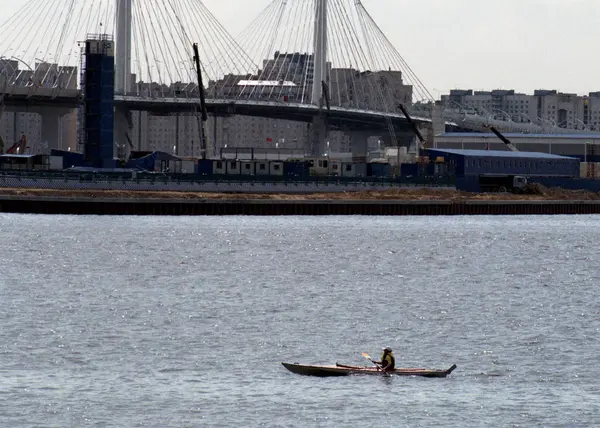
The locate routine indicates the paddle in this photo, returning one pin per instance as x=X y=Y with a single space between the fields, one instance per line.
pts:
x=368 y=357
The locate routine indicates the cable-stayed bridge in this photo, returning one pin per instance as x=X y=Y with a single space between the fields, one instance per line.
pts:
x=325 y=62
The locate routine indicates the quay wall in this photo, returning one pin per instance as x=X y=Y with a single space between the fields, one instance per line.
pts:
x=137 y=206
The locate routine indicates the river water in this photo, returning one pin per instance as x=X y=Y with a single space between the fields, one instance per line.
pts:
x=184 y=321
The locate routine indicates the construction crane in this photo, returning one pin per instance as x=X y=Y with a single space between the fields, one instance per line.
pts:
x=203 y=113
x=413 y=124
x=503 y=138
x=19 y=147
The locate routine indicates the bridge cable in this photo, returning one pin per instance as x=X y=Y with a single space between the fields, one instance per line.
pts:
x=294 y=36
x=395 y=52
x=357 y=60
x=266 y=74
x=284 y=77
x=274 y=9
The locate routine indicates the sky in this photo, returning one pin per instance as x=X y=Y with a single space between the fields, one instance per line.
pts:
x=470 y=44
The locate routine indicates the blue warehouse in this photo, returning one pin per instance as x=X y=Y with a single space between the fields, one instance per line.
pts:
x=531 y=164
x=478 y=170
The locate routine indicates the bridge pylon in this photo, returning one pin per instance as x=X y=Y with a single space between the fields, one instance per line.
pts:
x=123 y=19
x=320 y=50
x=318 y=136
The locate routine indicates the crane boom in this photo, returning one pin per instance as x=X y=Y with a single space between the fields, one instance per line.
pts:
x=503 y=139
x=203 y=113
x=413 y=124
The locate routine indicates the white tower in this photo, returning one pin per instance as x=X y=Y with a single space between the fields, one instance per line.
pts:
x=320 y=50
x=123 y=47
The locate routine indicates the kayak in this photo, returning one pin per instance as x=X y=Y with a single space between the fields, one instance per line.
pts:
x=345 y=370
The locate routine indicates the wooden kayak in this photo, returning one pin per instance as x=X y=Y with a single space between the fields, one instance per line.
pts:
x=345 y=370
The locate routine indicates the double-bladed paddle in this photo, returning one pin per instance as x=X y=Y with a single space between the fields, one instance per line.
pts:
x=368 y=357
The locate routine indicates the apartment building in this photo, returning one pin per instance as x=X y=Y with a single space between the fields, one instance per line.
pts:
x=564 y=110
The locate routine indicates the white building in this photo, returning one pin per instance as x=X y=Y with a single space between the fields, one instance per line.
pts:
x=380 y=91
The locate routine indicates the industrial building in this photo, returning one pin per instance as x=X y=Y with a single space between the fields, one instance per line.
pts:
x=531 y=164
x=585 y=147
x=497 y=170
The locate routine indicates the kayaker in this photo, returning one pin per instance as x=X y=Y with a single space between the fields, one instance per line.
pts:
x=388 y=362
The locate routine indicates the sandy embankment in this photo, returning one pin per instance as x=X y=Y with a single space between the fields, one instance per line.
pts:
x=536 y=192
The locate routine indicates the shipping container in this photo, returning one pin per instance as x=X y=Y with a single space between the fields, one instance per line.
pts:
x=233 y=167
x=70 y=159
x=204 y=167
x=56 y=163
x=335 y=168
x=350 y=169
x=262 y=168
x=248 y=167
x=185 y=167
x=295 y=169
x=378 y=170
x=276 y=168
x=219 y=167
x=321 y=166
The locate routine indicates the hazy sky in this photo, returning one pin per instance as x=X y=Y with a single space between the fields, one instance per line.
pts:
x=471 y=44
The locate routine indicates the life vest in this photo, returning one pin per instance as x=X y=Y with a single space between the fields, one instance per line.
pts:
x=390 y=360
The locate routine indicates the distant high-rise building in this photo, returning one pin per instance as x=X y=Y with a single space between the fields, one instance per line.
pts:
x=550 y=106
x=379 y=91
x=591 y=108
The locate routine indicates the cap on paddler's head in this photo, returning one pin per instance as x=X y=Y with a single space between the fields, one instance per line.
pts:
x=387 y=349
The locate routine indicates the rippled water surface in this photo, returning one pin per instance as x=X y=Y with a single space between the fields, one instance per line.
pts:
x=183 y=322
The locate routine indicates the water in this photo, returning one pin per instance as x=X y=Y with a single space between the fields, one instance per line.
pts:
x=183 y=322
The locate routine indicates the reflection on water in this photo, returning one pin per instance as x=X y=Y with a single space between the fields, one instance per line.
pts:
x=170 y=322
